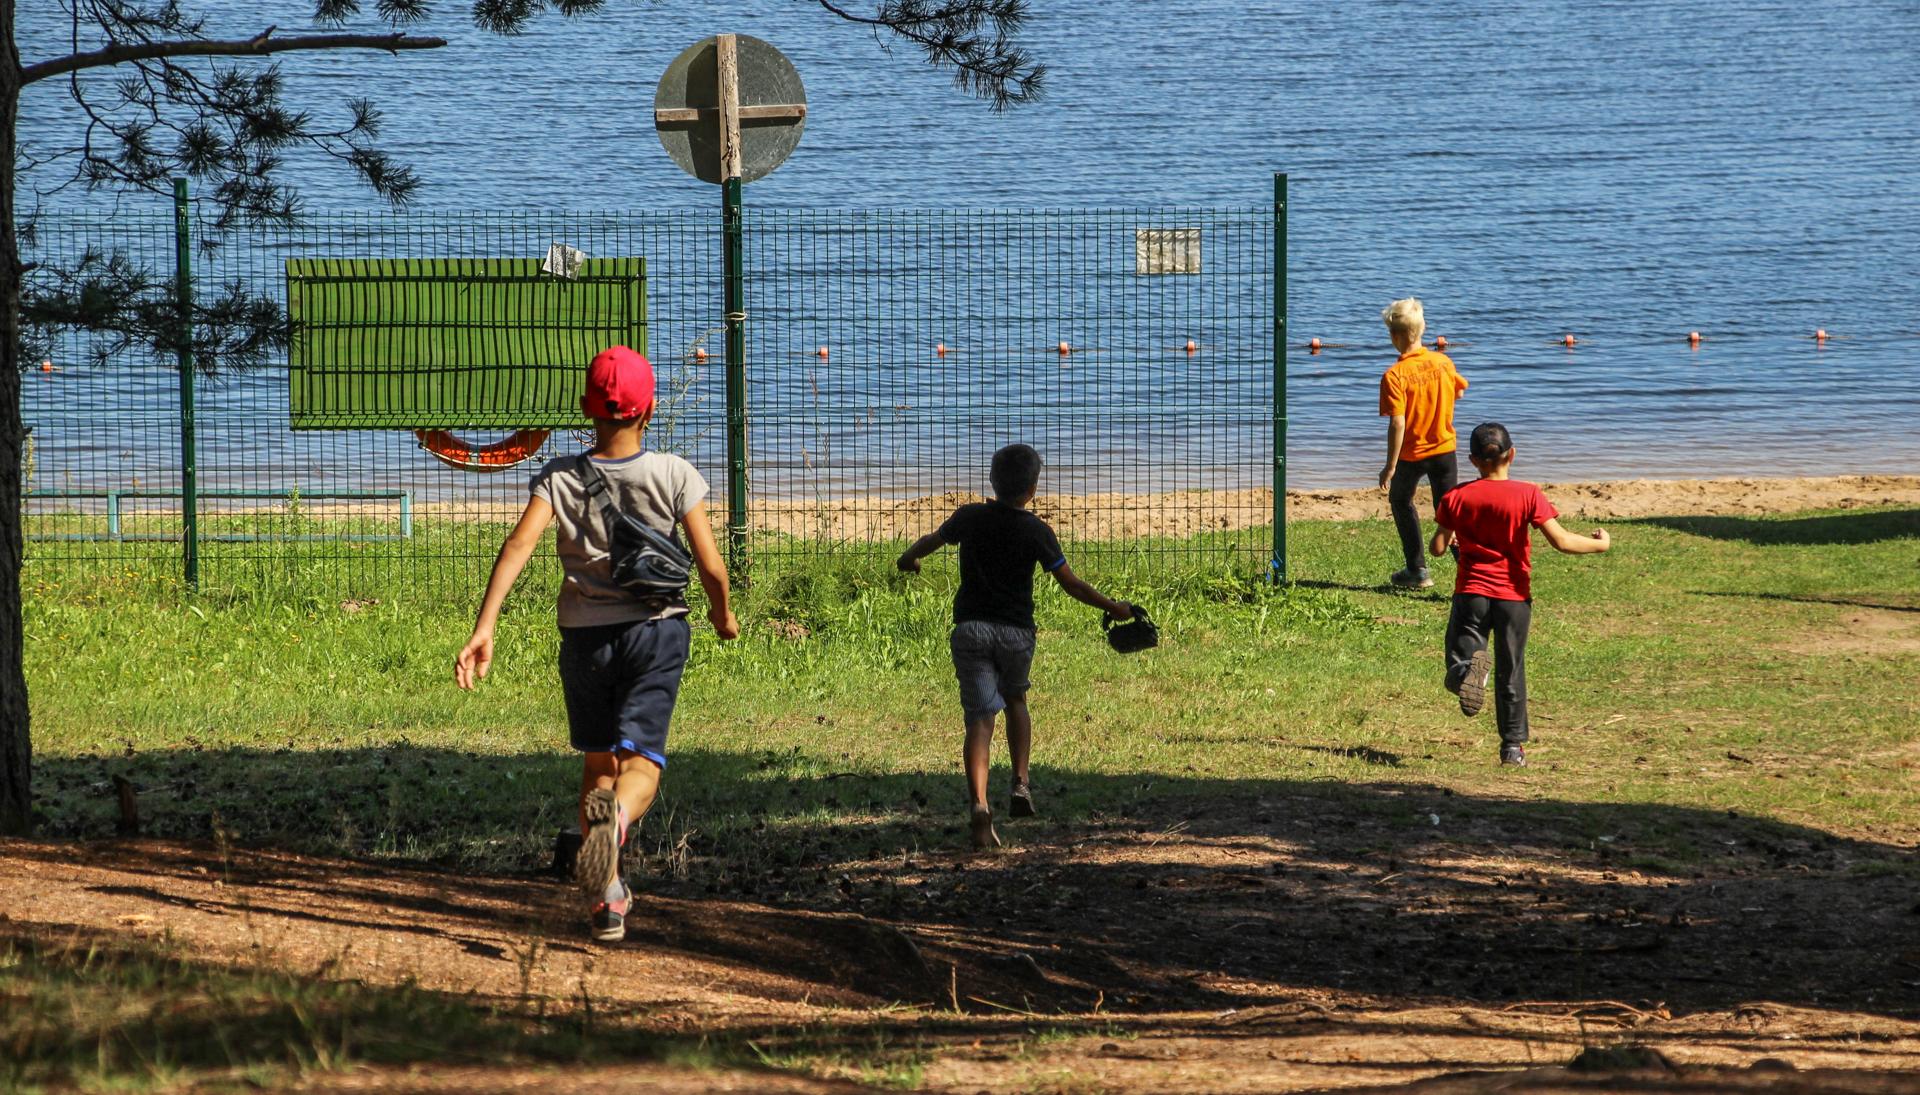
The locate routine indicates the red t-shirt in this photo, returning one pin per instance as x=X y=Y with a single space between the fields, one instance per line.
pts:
x=1493 y=521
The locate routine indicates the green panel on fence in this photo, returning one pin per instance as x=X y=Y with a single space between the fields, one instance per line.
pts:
x=445 y=343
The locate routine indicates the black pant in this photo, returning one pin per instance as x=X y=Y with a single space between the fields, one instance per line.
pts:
x=1473 y=618
x=1442 y=472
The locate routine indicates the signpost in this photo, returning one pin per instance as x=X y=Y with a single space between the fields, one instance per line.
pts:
x=729 y=110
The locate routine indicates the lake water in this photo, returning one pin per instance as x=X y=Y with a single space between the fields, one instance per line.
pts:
x=1626 y=172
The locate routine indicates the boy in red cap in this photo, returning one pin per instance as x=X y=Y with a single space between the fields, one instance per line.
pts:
x=621 y=654
x=1490 y=523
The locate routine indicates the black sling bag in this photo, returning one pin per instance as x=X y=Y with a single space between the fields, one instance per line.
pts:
x=650 y=564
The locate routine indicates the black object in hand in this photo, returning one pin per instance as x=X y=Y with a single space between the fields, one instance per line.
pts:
x=1137 y=633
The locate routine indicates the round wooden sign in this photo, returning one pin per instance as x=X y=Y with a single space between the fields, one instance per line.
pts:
x=730 y=106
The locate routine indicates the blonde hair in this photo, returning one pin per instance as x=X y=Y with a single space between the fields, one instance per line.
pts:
x=1406 y=316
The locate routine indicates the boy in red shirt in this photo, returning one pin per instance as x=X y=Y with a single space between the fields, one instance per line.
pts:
x=1489 y=523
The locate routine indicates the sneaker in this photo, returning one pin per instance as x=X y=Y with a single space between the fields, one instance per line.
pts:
x=597 y=865
x=1473 y=686
x=1020 y=803
x=610 y=915
x=982 y=825
x=1411 y=579
x=1513 y=756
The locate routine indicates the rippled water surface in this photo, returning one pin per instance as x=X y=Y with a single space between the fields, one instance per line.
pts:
x=1626 y=172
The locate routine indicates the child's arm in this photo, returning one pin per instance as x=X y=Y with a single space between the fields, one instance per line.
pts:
x=1396 y=433
x=1572 y=543
x=1079 y=590
x=713 y=571
x=471 y=664
x=1442 y=540
x=909 y=560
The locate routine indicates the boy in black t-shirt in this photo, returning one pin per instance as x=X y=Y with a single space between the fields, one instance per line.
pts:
x=1000 y=544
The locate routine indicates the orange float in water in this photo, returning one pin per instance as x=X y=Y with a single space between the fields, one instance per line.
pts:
x=1313 y=345
x=450 y=450
x=1569 y=341
x=1192 y=346
x=1820 y=335
x=46 y=366
x=821 y=353
x=1065 y=349
x=1440 y=342
x=940 y=348
x=1693 y=338
x=700 y=353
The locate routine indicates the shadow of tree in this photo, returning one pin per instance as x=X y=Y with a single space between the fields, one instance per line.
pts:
x=1863 y=527
x=1135 y=892
x=1809 y=599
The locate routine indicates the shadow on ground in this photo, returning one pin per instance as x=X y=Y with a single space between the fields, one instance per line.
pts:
x=1867 y=527
x=1809 y=599
x=1134 y=893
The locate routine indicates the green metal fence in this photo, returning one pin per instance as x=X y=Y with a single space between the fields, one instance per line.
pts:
x=882 y=357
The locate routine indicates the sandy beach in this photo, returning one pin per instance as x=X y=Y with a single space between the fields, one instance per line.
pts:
x=1186 y=513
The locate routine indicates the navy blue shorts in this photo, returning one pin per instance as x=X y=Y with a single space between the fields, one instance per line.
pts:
x=620 y=681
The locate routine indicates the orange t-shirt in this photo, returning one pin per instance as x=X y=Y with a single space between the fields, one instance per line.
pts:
x=1422 y=385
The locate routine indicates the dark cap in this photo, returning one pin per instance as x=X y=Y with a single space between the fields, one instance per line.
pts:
x=1490 y=441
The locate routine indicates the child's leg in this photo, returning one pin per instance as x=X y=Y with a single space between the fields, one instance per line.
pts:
x=633 y=779
x=1019 y=737
x=1443 y=474
x=1510 y=622
x=1406 y=519
x=977 y=755
x=1466 y=636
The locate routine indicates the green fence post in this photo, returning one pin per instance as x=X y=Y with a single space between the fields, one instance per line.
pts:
x=736 y=380
x=1279 y=377
x=189 y=472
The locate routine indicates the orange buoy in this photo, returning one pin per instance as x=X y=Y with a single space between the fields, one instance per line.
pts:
x=1440 y=342
x=1065 y=349
x=699 y=353
x=1569 y=341
x=1313 y=345
x=821 y=353
x=450 y=450
x=1192 y=346
x=1820 y=335
x=940 y=348
x=1693 y=339
x=46 y=366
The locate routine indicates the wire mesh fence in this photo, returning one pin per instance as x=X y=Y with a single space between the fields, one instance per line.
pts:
x=887 y=355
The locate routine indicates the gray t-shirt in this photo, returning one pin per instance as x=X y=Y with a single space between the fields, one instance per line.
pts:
x=656 y=487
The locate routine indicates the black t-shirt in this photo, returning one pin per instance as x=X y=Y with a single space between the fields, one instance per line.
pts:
x=999 y=547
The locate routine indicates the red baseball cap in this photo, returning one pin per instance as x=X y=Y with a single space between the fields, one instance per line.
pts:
x=619 y=384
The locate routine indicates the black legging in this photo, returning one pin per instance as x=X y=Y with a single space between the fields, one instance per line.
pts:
x=1473 y=617
x=1442 y=472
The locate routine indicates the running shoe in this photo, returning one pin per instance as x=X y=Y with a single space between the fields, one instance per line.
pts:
x=1411 y=579
x=1513 y=756
x=1473 y=686
x=610 y=915
x=1020 y=804
x=597 y=866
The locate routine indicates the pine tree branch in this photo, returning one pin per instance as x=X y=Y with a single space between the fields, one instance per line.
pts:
x=260 y=45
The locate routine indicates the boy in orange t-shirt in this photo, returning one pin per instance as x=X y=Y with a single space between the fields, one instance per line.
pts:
x=1490 y=522
x=1416 y=398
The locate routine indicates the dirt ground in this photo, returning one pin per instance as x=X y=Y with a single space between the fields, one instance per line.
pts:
x=1299 y=943
x=1190 y=512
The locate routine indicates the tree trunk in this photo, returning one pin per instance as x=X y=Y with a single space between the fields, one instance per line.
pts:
x=16 y=749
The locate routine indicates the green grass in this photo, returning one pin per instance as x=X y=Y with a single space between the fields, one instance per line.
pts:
x=1685 y=669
